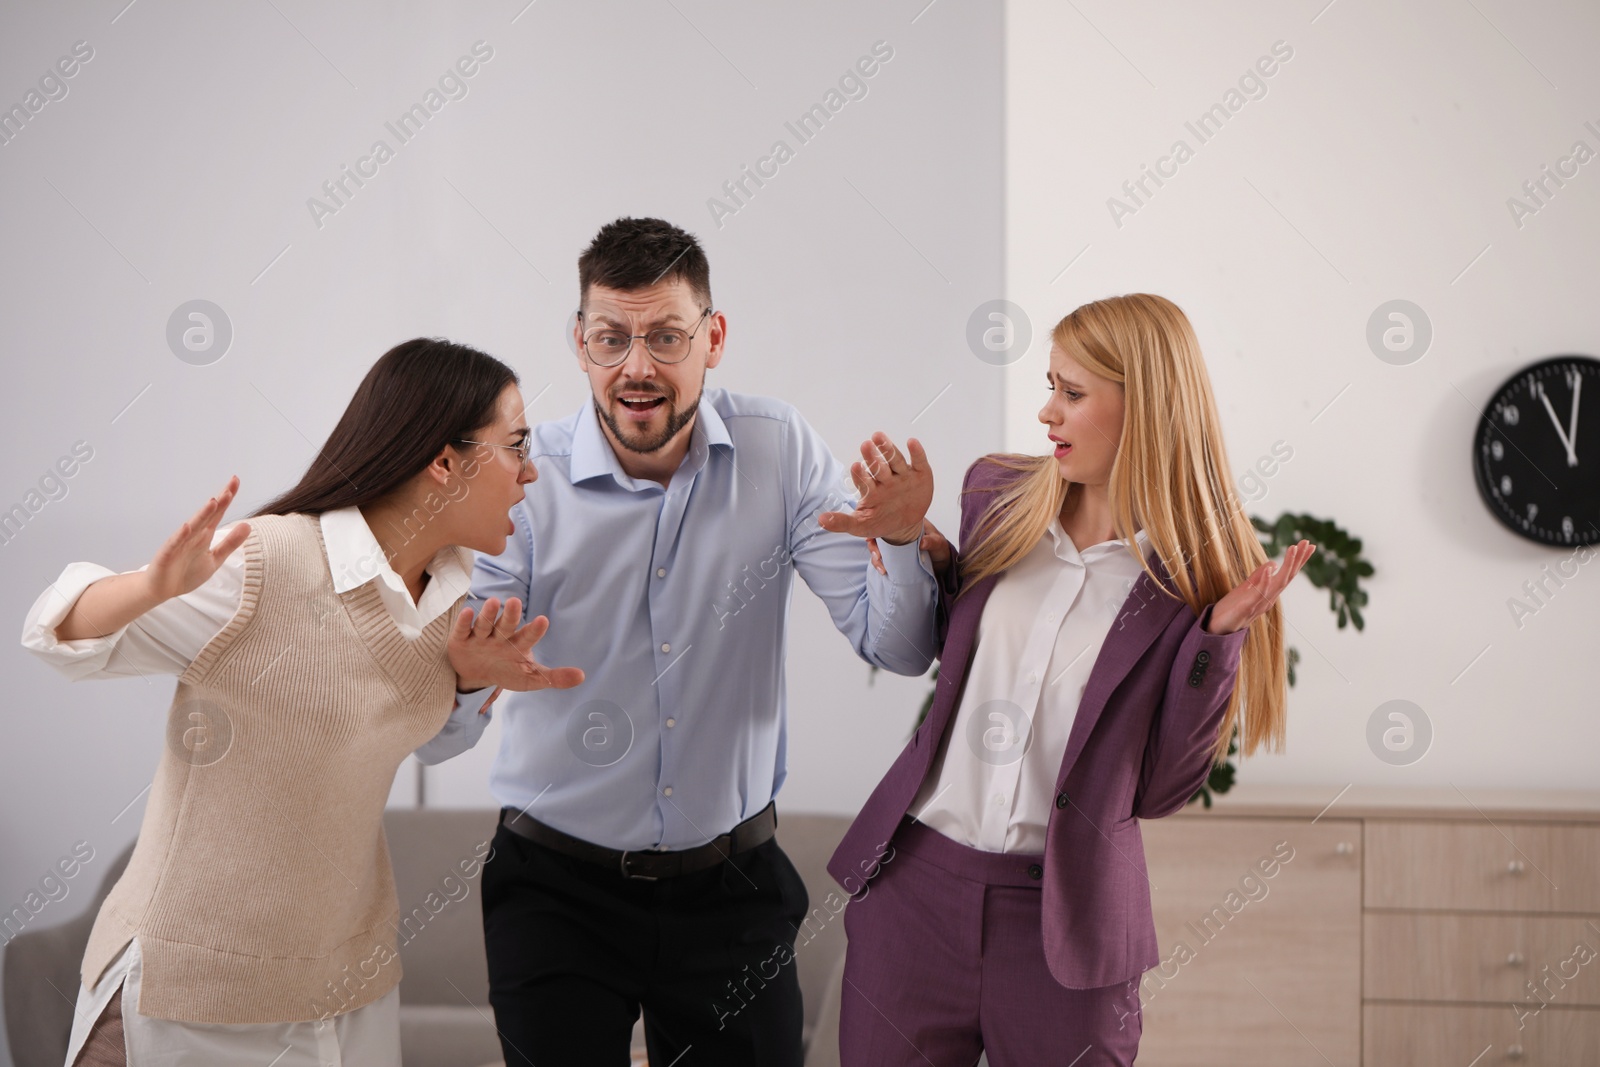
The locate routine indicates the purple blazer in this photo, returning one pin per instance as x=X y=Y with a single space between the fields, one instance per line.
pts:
x=1139 y=748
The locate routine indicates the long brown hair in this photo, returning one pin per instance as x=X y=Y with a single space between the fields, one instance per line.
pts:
x=418 y=397
x=1170 y=475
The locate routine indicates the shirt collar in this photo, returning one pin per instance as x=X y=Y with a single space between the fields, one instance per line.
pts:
x=593 y=456
x=1065 y=549
x=355 y=557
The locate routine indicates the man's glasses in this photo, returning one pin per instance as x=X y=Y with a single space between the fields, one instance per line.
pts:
x=521 y=448
x=607 y=347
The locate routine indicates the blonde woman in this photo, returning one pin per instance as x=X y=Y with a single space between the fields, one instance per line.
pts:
x=316 y=646
x=1109 y=620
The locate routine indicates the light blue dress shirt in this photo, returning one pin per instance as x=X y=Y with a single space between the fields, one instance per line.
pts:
x=675 y=602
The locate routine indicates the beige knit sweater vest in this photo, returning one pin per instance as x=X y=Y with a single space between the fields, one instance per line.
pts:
x=260 y=887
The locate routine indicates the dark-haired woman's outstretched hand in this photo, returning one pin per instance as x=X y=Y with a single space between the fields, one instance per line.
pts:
x=184 y=562
x=495 y=650
x=1254 y=596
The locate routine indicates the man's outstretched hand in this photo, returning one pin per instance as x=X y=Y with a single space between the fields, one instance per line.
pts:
x=896 y=491
x=494 y=650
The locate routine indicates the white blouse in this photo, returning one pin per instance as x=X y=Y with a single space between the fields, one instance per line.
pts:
x=165 y=640
x=993 y=783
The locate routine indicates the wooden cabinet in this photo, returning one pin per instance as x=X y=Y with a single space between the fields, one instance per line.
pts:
x=1376 y=927
x=1482 y=940
x=1259 y=922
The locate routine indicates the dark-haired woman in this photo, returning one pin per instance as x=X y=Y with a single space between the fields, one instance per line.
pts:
x=316 y=646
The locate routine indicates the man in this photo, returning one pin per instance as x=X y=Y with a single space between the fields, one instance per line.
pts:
x=634 y=866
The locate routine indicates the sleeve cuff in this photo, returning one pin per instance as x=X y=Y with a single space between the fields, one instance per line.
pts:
x=461 y=731
x=52 y=606
x=470 y=703
x=907 y=564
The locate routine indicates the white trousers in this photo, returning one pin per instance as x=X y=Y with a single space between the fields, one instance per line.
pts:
x=366 y=1037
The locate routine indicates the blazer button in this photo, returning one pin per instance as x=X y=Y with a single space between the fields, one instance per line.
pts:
x=1061 y=800
x=1035 y=871
x=1194 y=681
x=1203 y=656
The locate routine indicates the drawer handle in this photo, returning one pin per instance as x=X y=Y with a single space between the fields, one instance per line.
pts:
x=1344 y=848
x=1516 y=867
x=1515 y=959
x=1514 y=1052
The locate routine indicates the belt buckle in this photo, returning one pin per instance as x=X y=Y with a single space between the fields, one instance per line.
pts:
x=623 y=864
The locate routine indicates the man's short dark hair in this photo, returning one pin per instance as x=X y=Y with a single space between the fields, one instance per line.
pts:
x=637 y=253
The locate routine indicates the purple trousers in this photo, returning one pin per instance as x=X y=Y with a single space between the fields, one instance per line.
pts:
x=946 y=960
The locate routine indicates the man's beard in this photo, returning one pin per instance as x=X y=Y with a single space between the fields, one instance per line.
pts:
x=676 y=420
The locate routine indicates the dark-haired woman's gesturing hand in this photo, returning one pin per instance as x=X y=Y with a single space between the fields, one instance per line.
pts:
x=494 y=650
x=182 y=564
x=1254 y=596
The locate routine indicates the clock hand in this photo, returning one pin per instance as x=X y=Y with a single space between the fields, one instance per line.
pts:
x=1572 y=431
x=1572 y=460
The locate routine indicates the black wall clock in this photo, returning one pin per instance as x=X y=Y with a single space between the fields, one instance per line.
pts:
x=1537 y=452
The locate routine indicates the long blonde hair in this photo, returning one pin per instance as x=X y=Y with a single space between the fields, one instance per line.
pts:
x=1171 y=474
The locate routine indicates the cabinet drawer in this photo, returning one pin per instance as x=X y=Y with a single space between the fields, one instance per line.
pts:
x=1411 y=1035
x=1424 y=956
x=1482 y=866
x=1257 y=969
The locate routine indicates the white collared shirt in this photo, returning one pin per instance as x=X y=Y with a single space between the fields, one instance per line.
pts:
x=993 y=783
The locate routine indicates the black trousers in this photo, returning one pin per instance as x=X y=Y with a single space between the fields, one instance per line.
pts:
x=576 y=951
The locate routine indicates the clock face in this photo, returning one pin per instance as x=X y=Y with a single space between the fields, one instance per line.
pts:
x=1537 y=452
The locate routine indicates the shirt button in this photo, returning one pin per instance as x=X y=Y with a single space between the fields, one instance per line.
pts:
x=661 y=572
x=998 y=799
x=1033 y=678
x=1050 y=617
x=671 y=723
x=666 y=648
x=667 y=792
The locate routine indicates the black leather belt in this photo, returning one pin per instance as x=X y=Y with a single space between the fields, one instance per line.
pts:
x=649 y=864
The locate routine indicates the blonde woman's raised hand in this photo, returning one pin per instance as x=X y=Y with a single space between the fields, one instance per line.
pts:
x=1254 y=596
x=495 y=650
x=184 y=562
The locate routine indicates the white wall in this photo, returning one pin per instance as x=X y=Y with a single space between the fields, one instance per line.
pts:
x=178 y=167
x=1377 y=165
